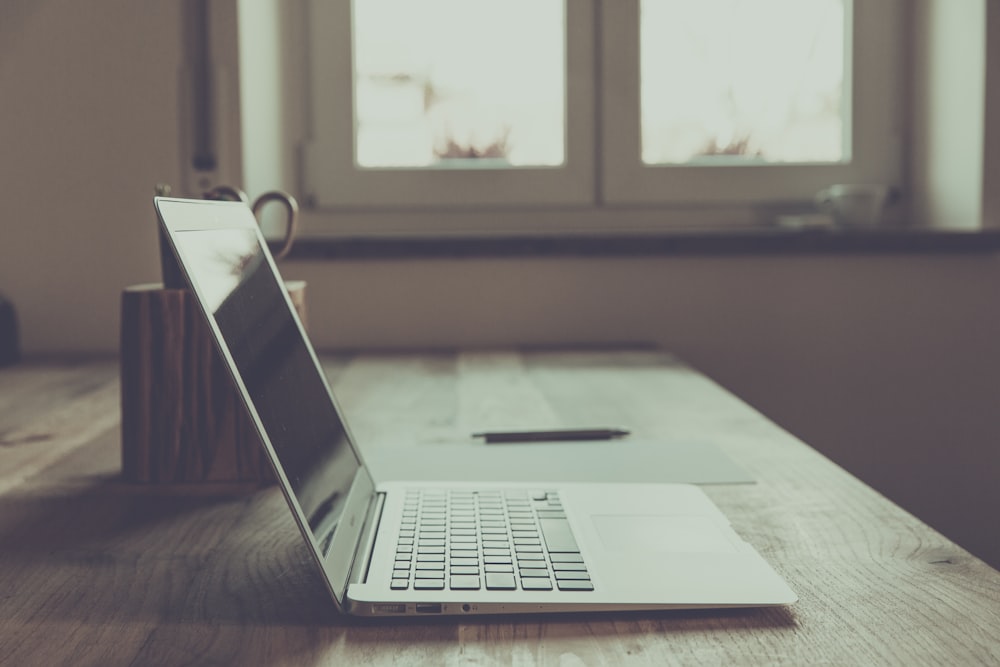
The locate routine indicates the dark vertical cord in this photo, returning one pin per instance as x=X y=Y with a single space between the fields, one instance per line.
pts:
x=598 y=128
x=197 y=56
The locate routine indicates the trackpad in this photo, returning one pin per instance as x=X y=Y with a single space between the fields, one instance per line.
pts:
x=661 y=534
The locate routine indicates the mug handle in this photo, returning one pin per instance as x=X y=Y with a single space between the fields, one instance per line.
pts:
x=280 y=248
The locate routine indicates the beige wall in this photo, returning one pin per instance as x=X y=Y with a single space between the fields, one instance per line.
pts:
x=88 y=125
x=887 y=364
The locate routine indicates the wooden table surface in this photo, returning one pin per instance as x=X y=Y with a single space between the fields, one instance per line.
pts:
x=96 y=571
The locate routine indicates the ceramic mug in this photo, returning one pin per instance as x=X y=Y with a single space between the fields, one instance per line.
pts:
x=854 y=205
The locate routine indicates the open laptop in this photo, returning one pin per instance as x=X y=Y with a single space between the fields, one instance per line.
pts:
x=398 y=548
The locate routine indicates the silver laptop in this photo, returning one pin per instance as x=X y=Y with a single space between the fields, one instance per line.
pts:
x=398 y=548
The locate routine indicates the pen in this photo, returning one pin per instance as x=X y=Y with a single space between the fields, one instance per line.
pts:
x=555 y=434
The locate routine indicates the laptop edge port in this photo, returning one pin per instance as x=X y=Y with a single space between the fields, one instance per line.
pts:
x=388 y=608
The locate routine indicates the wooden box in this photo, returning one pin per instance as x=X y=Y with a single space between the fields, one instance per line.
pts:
x=182 y=419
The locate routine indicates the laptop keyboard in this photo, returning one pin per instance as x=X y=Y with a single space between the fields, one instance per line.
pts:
x=487 y=540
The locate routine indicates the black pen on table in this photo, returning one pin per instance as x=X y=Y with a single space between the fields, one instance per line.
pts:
x=553 y=435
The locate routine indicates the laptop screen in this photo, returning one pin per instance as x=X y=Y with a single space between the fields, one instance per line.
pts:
x=228 y=268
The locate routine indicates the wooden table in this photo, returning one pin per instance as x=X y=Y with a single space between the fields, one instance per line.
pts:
x=96 y=571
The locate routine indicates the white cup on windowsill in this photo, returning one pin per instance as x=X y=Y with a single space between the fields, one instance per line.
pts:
x=854 y=205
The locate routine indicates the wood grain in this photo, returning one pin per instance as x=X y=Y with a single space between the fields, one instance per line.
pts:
x=98 y=571
x=182 y=420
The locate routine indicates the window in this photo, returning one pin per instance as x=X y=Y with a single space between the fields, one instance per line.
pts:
x=451 y=103
x=837 y=122
x=418 y=104
x=733 y=81
x=597 y=114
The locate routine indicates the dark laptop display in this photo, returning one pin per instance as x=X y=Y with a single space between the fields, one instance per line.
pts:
x=277 y=369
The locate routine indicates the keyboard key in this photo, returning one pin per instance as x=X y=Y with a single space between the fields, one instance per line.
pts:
x=496 y=544
x=573 y=585
x=558 y=535
x=496 y=552
x=492 y=567
x=431 y=543
x=428 y=574
x=432 y=535
x=578 y=576
x=430 y=558
x=568 y=567
x=428 y=584
x=497 y=560
x=399 y=584
x=464 y=561
x=464 y=582
x=534 y=572
x=431 y=566
x=566 y=558
x=528 y=549
x=428 y=551
x=535 y=584
x=464 y=569
x=500 y=581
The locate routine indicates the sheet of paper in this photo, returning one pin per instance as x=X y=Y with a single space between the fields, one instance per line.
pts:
x=625 y=460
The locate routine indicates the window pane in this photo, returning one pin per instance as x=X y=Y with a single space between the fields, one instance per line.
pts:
x=743 y=80
x=459 y=83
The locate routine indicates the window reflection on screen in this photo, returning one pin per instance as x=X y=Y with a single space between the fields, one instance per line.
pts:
x=285 y=386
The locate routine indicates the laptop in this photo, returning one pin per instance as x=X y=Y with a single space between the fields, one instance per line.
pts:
x=399 y=548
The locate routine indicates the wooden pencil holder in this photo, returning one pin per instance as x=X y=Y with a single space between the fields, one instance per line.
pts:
x=182 y=419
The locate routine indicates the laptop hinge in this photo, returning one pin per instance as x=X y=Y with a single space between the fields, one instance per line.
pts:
x=363 y=554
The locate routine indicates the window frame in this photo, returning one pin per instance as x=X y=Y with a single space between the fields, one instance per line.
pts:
x=604 y=189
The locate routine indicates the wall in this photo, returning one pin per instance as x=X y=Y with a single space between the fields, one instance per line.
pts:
x=887 y=364
x=88 y=126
